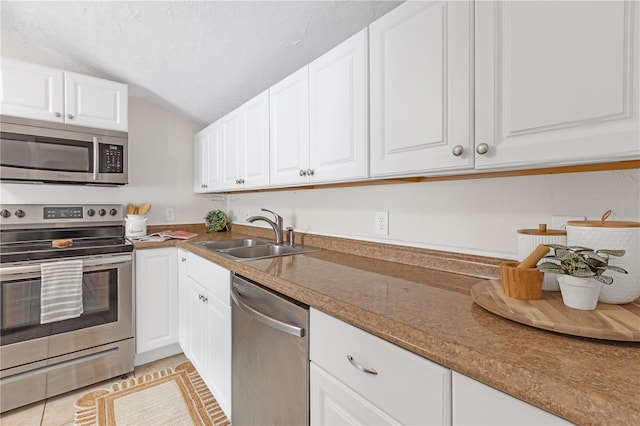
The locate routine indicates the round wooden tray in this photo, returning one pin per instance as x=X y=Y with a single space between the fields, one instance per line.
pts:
x=608 y=322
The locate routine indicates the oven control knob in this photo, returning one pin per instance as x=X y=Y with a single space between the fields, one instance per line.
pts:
x=5 y=213
x=102 y=212
x=113 y=212
x=91 y=212
x=20 y=213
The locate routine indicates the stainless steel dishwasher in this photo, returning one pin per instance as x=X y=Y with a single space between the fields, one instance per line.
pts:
x=270 y=357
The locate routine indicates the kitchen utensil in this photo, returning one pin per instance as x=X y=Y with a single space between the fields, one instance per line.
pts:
x=131 y=209
x=532 y=260
x=621 y=322
x=144 y=208
x=521 y=283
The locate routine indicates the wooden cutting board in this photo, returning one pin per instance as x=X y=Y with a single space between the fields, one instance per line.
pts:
x=609 y=322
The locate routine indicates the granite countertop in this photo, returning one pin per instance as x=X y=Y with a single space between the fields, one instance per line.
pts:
x=430 y=312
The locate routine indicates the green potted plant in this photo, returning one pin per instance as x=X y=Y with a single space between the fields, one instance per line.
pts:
x=217 y=221
x=580 y=273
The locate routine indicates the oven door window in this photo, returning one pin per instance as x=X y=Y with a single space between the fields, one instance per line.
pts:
x=20 y=304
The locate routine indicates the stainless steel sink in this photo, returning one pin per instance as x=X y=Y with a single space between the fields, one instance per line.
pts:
x=227 y=244
x=251 y=248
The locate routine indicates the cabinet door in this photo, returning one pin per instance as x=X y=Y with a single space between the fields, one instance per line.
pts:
x=420 y=89
x=408 y=388
x=231 y=150
x=95 y=102
x=206 y=159
x=156 y=298
x=338 y=103
x=289 y=129
x=217 y=349
x=200 y=154
x=32 y=91
x=477 y=404
x=196 y=326
x=255 y=142
x=556 y=82
x=183 y=302
x=333 y=403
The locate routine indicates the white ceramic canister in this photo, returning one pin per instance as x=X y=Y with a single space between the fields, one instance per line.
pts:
x=135 y=225
x=602 y=234
x=529 y=239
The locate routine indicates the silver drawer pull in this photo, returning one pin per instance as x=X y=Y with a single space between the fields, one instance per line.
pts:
x=361 y=368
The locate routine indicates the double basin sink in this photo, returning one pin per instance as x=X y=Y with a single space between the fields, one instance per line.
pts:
x=252 y=248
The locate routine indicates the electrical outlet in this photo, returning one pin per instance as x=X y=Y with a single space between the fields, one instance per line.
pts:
x=560 y=222
x=382 y=223
x=169 y=214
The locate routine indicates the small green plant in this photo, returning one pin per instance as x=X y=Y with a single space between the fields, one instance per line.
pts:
x=216 y=221
x=581 y=262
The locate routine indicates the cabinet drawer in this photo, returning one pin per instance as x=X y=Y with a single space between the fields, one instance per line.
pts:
x=411 y=389
x=212 y=277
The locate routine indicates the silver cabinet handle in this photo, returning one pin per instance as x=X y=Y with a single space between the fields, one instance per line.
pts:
x=266 y=320
x=70 y=116
x=310 y=172
x=57 y=114
x=303 y=172
x=361 y=368
x=205 y=299
x=457 y=150
x=482 y=149
x=183 y=259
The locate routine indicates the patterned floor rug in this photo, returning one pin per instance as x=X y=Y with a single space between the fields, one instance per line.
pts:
x=167 y=397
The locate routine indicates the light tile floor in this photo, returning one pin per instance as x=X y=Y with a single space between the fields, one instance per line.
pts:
x=60 y=410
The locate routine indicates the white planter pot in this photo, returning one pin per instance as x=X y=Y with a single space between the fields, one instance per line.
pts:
x=579 y=293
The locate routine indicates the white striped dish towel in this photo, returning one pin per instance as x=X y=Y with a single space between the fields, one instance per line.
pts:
x=60 y=290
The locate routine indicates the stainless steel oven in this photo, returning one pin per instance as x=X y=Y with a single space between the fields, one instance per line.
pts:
x=39 y=360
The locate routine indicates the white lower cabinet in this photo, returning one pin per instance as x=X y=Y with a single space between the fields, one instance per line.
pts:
x=205 y=323
x=358 y=378
x=156 y=310
x=477 y=404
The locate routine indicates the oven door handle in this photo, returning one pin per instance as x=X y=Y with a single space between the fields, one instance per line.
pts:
x=87 y=263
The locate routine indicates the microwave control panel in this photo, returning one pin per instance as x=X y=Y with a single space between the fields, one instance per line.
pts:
x=111 y=158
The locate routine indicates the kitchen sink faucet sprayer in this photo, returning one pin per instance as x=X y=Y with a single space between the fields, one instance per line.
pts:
x=277 y=225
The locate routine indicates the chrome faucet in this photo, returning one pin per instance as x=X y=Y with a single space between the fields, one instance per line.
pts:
x=277 y=225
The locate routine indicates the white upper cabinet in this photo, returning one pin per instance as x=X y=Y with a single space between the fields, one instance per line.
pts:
x=32 y=91
x=245 y=145
x=230 y=130
x=207 y=175
x=44 y=93
x=255 y=142
x=94 y=102
x=556 y=83
x=289 y=129
x=319 y=118
x=338 y=104
x=420 y=89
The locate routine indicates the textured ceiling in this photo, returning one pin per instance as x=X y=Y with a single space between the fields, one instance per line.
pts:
x=199 y=58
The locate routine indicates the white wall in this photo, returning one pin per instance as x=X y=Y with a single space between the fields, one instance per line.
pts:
x=160 y=171
x=479 y=216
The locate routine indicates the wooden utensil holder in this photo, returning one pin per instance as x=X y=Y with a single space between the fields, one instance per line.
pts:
x=521 y=283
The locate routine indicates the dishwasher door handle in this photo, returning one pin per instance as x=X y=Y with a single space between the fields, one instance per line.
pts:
x=265 y=319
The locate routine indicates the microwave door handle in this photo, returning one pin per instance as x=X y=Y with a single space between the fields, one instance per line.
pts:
x=96 y=145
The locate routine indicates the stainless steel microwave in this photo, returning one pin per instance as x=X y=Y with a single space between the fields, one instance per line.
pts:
x=44 y=152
